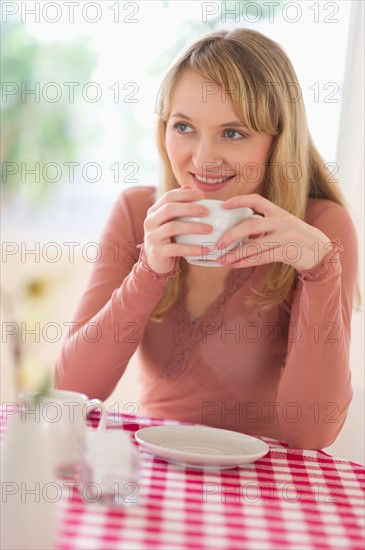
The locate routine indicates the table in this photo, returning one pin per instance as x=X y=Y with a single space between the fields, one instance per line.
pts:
x=290 y=498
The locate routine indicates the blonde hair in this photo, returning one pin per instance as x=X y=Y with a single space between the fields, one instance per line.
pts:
x=254 y=68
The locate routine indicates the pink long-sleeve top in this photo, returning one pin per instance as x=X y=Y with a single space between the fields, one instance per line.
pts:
x=283 y=375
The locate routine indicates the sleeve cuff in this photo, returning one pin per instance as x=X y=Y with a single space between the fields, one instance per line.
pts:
x=162 y=277
x=332 y=258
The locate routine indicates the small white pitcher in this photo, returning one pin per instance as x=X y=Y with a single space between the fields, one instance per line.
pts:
x=63 y=415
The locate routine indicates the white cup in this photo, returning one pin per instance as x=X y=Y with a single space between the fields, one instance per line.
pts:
x=63 y=415
x=221 y=220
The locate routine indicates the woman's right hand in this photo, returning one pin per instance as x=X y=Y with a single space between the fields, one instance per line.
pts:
x=160 y=226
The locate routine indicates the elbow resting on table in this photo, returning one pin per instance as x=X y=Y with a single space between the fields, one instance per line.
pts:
x=320 y=434
x=67 y=382
x=310 y=443
x=63 y=382
x=316 y=440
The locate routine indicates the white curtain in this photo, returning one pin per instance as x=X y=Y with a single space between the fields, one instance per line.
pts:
x=350 y=146
x=350 y=159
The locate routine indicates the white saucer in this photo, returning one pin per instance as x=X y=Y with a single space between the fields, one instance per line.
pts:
x=201 y=446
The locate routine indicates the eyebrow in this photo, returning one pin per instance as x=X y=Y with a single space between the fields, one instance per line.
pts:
x=225 y=125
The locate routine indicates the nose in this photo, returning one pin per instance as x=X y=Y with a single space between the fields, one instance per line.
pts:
x=207 y=158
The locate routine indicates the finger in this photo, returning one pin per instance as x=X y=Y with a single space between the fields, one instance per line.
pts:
x=174 y=250
x=255 y=202
x=174 y=228
x=252 y=252
x=185 y=193
x=252 y=226
x=172 y=210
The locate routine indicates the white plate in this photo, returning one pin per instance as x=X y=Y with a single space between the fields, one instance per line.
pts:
x=201 y=446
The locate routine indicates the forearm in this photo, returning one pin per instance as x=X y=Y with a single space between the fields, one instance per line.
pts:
x=94 y=358
x=315 y=388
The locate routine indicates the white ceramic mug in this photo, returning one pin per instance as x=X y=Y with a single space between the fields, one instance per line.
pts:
x=221 y=220
x=63 y=415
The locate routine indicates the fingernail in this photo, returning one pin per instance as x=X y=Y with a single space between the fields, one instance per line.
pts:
x=227 y=202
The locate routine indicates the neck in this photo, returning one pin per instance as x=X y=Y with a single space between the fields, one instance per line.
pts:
x=196 y=272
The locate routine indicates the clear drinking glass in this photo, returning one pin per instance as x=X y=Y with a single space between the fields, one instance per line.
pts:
x=110 y=469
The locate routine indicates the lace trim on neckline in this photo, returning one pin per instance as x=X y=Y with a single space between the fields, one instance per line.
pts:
x=187 y=334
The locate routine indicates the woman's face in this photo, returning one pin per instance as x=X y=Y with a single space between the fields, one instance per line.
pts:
x=206 y=140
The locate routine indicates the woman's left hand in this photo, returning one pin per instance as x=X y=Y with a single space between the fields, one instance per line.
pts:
x=281 y=237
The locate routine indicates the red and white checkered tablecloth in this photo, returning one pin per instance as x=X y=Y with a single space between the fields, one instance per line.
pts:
x=288 y=499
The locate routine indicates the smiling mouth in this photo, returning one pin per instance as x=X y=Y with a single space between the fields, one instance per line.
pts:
x=212 y=180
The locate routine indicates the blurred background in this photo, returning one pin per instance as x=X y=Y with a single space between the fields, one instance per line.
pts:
x=79 y=82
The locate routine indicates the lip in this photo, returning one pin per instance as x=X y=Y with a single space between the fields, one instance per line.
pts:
x=210 y=187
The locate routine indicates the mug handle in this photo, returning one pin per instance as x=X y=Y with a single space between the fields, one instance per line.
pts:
x=97 y=404
x=258 y=216
x=247 y=239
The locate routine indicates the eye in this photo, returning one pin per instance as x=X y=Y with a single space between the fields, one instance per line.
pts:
x=180 y=127
x=229 y=132
x=183 y=128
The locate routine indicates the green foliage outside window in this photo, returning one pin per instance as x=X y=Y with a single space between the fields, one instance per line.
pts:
x=47 y=132
x=38 y=130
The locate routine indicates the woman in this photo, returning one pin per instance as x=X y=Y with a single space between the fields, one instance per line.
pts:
x=261 y=344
